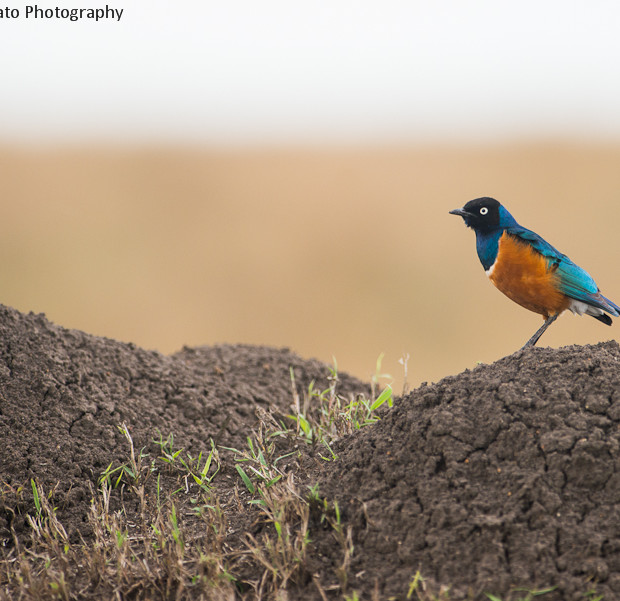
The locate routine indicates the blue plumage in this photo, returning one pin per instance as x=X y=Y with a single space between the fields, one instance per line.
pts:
x=487 y=246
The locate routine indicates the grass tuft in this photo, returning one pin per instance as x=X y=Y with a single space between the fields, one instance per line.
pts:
x=324 y=416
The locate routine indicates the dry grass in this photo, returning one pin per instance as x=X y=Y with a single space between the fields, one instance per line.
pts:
x=171 y=526
x=165 y=550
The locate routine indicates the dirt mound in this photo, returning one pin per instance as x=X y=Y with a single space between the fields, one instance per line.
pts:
x=504 y=476
x=500 y=477
x=64 y=394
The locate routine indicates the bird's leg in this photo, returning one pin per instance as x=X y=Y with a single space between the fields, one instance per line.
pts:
x=534 y=339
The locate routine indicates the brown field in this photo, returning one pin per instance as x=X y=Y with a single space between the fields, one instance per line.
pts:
x=344 y=252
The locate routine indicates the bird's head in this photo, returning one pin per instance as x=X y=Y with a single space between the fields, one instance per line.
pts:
x=485 y=214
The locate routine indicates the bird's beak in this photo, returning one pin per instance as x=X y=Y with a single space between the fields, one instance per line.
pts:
x=460 y=212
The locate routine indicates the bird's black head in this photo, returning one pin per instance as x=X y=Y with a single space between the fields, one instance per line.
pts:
x=482 y=214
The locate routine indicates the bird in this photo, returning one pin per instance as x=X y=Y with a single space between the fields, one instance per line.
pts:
x=529 y=270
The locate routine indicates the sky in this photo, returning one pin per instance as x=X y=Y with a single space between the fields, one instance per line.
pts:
x=248 y=72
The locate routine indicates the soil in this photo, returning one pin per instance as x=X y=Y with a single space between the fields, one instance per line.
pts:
x=504 y=476
x=64 y=394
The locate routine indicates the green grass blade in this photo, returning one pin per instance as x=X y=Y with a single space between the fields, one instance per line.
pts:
x=246 y=479
x=386 y=395
x=35 y=494
x=205 y=469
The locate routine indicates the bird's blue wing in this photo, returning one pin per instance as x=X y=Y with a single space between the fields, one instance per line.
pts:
x=538 y=243
x=573 y=280
x=576 y=282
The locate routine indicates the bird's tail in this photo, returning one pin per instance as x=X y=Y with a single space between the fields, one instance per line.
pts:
x=597 y=303
x=604 y=318
x=607 y=305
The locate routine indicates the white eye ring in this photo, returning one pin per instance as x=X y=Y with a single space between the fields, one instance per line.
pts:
x=484 y=211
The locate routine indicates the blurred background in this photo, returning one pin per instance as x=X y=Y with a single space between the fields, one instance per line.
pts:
x=281 y=172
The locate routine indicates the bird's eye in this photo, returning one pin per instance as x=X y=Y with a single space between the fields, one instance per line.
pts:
x=484 y=211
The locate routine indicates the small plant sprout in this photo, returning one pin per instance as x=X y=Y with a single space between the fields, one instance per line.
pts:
x=324 y=416
x=246 y=479
x=259 y=459
x=419 y=588
x=199 y=469
x=133 y=470
x=45 y=524
x=379 y=376
x=404 y=361
x=36 y=497
x=413 y=586
x=530 y=594
x=168 y=454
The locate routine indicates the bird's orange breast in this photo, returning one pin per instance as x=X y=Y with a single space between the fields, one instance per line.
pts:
x=527 y=277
